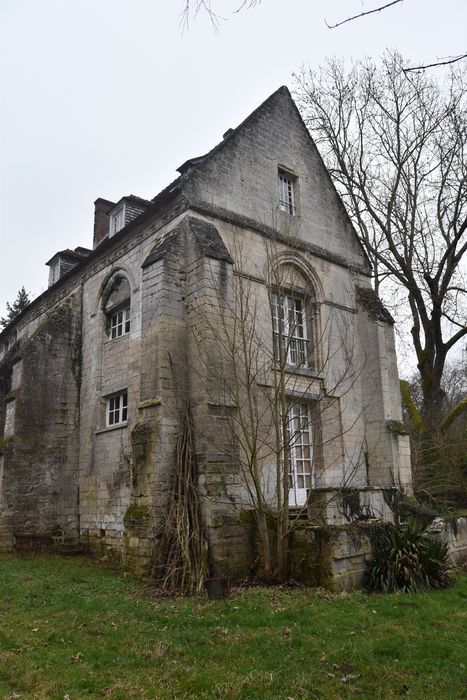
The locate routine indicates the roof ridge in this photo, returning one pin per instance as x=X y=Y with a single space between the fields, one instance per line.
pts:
x=229 y=134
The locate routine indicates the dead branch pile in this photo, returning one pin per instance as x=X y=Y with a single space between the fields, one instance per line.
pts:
x=180 y=555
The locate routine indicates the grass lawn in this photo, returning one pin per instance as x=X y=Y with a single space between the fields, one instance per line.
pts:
x=71 y=627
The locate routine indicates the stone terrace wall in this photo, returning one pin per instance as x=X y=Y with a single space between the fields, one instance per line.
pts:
x=454 y=532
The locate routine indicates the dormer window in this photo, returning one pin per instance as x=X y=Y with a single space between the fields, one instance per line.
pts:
x=64 y=261
x=124 y=212
x=117 y=221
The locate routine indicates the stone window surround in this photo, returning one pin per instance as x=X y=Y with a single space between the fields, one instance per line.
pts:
x=294 y=337
x=119 y=320
x=287 y=191
x=308 y=337
x=301 y=475
x=116 y=409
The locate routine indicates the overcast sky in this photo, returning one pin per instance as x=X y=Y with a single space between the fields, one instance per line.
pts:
x=104 y=98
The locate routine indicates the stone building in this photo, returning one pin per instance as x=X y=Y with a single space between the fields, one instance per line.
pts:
x=95 y=375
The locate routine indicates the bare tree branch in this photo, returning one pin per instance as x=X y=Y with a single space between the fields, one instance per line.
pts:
x=442 y=62
x=362 y=14
x=248 y=4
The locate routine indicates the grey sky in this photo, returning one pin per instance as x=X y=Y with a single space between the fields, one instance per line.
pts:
x=108 y=97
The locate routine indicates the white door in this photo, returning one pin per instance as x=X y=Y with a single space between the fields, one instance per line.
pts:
x=301 y=453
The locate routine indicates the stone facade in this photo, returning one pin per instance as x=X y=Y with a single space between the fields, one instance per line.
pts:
x=95 y=374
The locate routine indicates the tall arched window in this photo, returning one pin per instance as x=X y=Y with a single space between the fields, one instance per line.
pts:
x=117 y=307
x=295 y=318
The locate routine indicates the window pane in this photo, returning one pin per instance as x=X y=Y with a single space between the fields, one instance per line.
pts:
x=300 y=441
x=288 y=320
x=286 y=196
x=120 y=323
x=117 y=409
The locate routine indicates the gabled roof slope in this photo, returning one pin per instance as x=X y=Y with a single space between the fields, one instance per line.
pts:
x=240 y=175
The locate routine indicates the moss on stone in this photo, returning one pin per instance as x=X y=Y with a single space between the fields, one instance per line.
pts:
x=54 y=531
x=135 y=513
x=151 y=403
x=77 y=360
x=397 y=426
x=4 y=444
x=247 y=516
x=311 y=558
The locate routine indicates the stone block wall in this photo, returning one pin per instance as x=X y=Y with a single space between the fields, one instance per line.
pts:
x=453 y=531
x=40 y=407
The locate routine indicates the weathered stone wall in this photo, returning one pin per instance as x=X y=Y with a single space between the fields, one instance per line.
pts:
x=330 y=557
x=453 y=531
x=40 y=405
x=242 y=177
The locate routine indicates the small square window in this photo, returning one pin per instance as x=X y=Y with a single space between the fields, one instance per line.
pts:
x=117 y=409
x=119 y=323
x=286 y=193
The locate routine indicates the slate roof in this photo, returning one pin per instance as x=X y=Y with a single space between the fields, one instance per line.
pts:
x=77 y=254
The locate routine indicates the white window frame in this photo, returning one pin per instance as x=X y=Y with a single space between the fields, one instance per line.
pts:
x=289 y=321
x=116 y=411
x=117 y=221
x=54 y=274
x=119 y=323
x=301 y=463
x=286 y=185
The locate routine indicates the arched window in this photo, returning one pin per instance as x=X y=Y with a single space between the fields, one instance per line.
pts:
x=117 y=307
x=295 y=317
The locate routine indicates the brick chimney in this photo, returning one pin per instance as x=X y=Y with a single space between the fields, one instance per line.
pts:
x=101 y=219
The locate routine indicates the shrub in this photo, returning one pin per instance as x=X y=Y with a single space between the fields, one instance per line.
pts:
x=406 y=559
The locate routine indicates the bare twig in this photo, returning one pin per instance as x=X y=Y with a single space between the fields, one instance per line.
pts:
x=362 y=14
x=446 y=62
x=248 y=4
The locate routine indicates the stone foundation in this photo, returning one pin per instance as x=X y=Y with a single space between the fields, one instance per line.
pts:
x=453 y=531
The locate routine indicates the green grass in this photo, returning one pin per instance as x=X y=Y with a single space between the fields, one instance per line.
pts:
x=72 y=627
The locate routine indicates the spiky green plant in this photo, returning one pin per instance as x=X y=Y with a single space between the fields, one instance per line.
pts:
x=406 y=559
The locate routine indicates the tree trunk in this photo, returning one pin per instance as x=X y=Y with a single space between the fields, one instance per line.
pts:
x=265 y=545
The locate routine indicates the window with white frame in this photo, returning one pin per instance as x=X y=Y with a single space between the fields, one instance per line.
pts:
x=117 y=409
x=286 y=184
x=54 y=274
x=291 y=342
x=117 y=221
x=119 y=323
x=300 y=439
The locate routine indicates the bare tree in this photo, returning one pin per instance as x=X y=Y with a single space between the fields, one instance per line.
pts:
x=191 y=8
x=395 y=146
